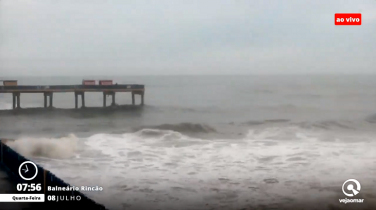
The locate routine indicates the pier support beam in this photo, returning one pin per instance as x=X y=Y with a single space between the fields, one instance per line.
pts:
x=104 y=99
x=45 y=99
x=18 y=96
x=51 y=99
x=14 y=100
x=83 y=99
x=141 y=93
x=75 y=100
x=76 y=94
x=50 y=96
x=113 y=99
x=105 y=94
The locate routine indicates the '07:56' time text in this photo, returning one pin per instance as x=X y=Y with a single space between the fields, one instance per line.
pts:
x=29 y=187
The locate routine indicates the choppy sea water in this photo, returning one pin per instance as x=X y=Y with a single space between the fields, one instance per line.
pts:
x=208 y=142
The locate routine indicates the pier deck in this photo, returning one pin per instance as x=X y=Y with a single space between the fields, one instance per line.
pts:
x=48 y=91
x=70 y=88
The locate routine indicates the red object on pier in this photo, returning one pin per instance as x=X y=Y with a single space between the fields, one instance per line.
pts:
x=88 y=82
x=105 y=82
x=10 y=82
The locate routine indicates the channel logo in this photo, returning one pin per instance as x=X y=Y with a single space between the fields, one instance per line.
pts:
x=351 y=188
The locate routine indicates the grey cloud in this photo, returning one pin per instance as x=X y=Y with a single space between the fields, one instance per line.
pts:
x=179 y=37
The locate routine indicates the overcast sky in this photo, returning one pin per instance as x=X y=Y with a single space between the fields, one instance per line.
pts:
x=136 y=37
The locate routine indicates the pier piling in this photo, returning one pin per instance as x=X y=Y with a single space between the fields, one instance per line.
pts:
x=133 y=101
x=141 y=93
x=104 y=99
x=112 y=94
x=18 y=96
x=51 y=99
x=45 y=99
x=14 y=100
x=75 y=100
x=113 y=98
x=50 y=96
x=105 y=94
x=83 y=99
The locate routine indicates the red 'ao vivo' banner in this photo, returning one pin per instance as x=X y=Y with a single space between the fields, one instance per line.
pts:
x=348 y=19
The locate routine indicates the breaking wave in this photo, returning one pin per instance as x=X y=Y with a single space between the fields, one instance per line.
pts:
x=371 y=119
x=330 y=124
x=58 y=148
x=314 y=125
x=174 y=165
x=261 y=122
x=182 y=128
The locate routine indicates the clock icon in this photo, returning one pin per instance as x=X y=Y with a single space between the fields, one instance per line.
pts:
x=28 y=170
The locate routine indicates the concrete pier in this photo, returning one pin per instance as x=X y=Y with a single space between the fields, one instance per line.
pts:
x=78 y=90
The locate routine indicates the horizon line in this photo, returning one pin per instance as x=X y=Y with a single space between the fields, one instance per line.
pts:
x=140 y=75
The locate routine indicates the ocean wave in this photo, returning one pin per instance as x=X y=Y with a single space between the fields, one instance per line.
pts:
x=159 y=134
x=279 y=133
x=371 y=119
x=182 y=109
x=258 y=91
x=57 y=148
x=305 y=95
x=290 y=108
x=311 y=125
x=327 y=125
x=261 y=122
x=146 y=137
x=182 y=128
x=209 y=168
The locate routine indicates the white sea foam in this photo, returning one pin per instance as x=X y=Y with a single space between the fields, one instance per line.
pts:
x=165 y=168
x=64 y=147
